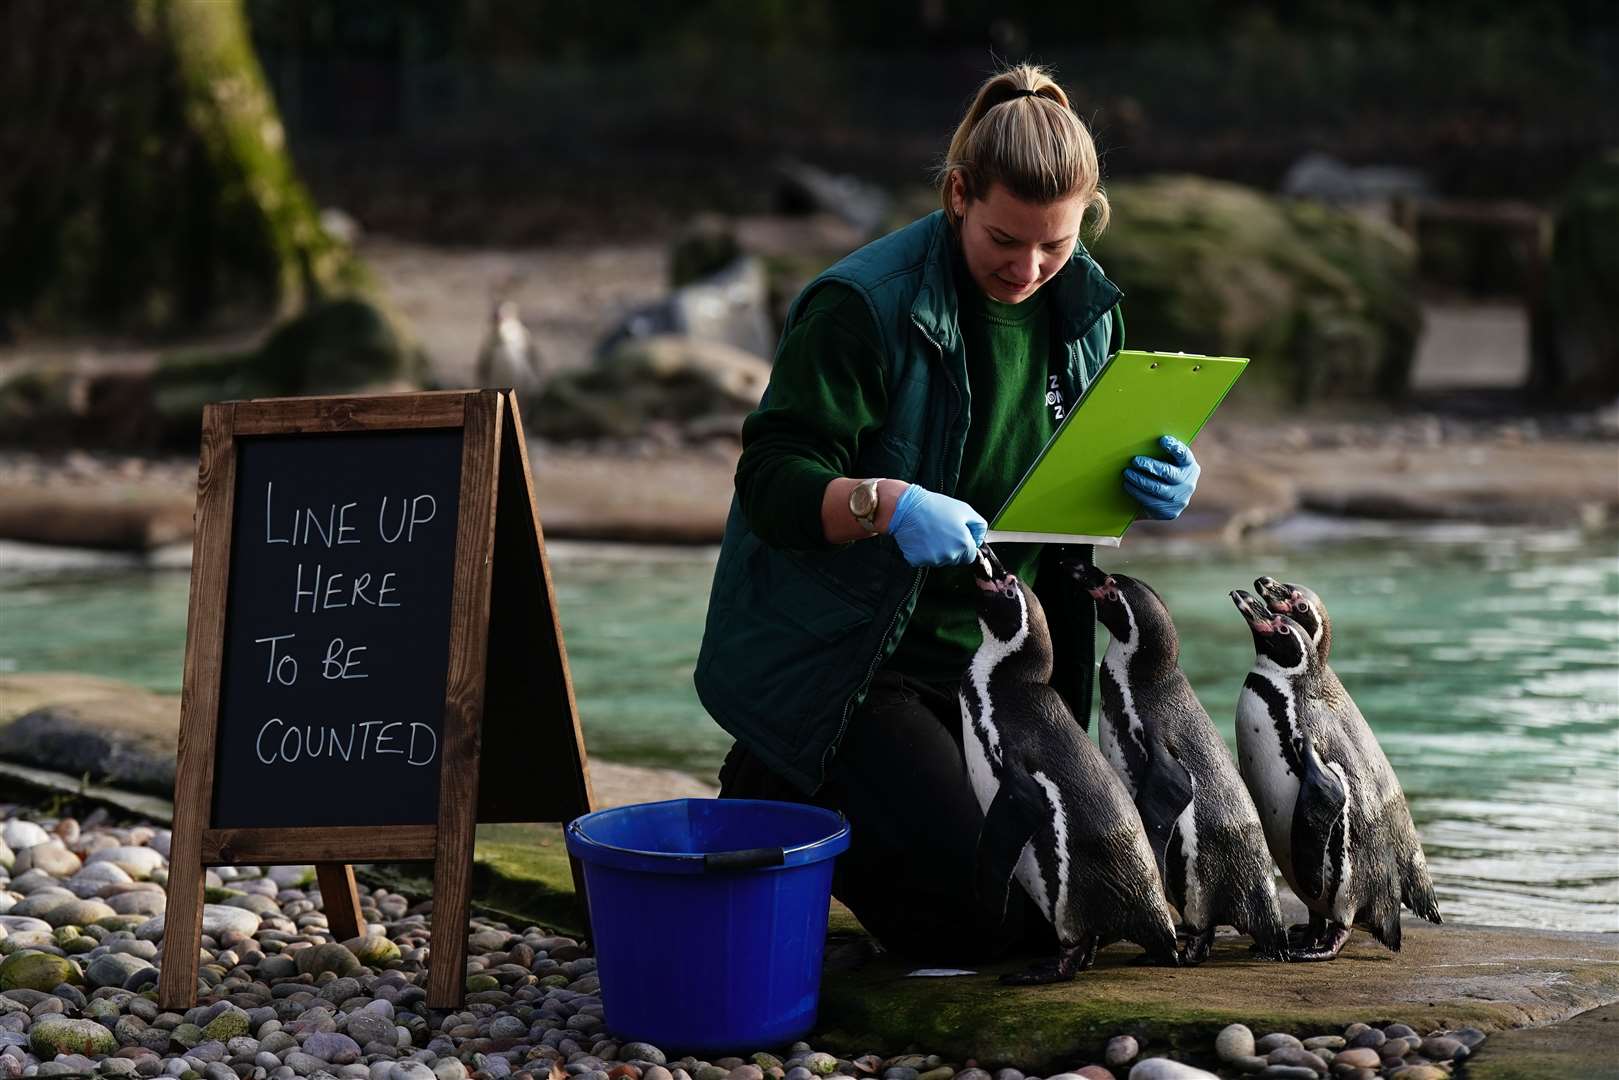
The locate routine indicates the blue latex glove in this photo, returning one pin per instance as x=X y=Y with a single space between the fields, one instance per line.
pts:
x=1163 y=488
x=935 y=530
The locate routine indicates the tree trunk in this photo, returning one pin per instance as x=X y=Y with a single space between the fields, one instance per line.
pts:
x=145 y=186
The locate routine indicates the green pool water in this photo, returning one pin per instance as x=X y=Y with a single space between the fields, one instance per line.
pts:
x=1487 y=661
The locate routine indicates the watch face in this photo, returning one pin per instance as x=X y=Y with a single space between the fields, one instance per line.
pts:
x=864 y=499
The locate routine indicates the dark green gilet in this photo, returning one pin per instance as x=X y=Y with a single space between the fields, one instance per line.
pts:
x=793 y=638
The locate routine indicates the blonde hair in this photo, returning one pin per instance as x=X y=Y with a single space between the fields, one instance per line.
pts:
x=1020 y=132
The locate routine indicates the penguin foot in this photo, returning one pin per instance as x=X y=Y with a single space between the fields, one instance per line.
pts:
x=1302 y=935
x=1070 y=960
x=1328 y=948
x=1268 y=951
x=1196 y=950
x=1043 y=973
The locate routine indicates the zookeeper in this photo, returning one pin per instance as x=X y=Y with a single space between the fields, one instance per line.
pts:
x=915 y=382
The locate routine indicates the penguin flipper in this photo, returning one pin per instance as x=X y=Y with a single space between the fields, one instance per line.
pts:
x=1018 y=809
x=1320 y=822
x=1166 y=791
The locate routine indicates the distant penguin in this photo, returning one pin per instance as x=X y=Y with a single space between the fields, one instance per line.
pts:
x=1159 y=739
x=508 y=355
x=1333 y=812
x=1055 y=816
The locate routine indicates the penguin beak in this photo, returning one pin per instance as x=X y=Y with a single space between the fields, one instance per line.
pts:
x=1254 y=611
x=1106 y=589
x=1088 y=577
x=1277 y=595
x=992 y=576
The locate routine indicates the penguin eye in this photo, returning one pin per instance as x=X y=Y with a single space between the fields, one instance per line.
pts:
x=1285 y=629
x=1302 y=606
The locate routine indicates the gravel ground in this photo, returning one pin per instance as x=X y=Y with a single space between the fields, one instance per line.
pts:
x=81 y=920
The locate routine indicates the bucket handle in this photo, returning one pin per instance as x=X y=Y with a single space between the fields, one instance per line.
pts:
x=745 y=859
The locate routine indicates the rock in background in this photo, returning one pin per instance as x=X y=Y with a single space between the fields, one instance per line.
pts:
x=1323 y=301
x=684 y=386
x=1576 y=331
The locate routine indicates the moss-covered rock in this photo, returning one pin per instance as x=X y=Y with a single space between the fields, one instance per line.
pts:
x=1323 y=301
x=52 y=1035
x=337 y=346
x=1576 y=327
x=332 y=957
x=37 y=971
x=227 y=1026
x=373 y=951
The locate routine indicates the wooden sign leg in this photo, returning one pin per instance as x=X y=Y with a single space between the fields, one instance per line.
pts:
x=341 y=898
x=463 y=702
x=182 y=927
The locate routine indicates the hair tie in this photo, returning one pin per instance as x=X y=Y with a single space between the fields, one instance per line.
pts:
x=1023 y=94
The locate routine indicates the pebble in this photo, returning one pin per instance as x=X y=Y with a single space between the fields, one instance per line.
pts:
x=1393 y=1048
x=1296 y=1056
x=280 y=999
x=1440 y=1048
x=1121 y=1050
x=1235 y=1041
x=1362 y=1057
x=1165 y=1069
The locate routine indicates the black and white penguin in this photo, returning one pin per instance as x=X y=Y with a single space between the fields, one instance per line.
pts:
x=1159 y=739
x=1331 y=806
x=1055 y=816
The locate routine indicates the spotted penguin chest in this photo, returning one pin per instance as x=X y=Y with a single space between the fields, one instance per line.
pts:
x=1263 y=727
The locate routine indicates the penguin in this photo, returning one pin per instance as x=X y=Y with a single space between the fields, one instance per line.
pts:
x=1332 y=809
x=1155 y=733
x=509 y=356
x=1056 y=818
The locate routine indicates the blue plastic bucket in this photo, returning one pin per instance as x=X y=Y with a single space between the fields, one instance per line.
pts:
x=709 y=918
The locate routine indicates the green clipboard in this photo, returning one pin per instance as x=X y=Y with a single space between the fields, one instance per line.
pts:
x=1073 y=492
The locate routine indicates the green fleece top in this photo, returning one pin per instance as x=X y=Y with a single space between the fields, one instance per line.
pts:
x=827 y=395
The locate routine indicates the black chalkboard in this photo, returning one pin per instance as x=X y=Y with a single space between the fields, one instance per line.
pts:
x=337 y=629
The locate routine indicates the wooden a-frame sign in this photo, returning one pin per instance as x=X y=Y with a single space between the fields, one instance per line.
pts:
x=368 y=674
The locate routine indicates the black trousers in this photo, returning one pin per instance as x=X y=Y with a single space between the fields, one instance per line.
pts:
x=901 y=781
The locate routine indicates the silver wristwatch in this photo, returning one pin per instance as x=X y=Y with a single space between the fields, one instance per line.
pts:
x=863 y=504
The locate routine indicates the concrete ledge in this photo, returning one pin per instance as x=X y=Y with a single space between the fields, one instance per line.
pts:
x=114 y=518
x=1586 y=1046
x=1492 y=978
